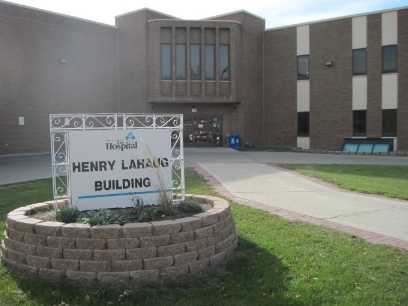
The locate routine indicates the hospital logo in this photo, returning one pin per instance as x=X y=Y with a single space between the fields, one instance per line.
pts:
x=129 y=143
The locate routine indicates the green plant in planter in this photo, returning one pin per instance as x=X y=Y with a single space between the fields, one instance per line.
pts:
x=67 y=214
x=100 y=217
x=189 y=207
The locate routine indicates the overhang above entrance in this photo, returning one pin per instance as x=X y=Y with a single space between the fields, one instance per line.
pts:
x=193 y=102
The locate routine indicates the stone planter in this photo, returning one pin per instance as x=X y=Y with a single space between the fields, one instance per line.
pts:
x=134 y=252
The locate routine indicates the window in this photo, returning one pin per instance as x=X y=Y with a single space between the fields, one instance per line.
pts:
x=359 y=61
x=180 y=62
x=389 y=122
x=195 y=65
x=165 y=54
x=210 y=62
x=390 y=59
x=224 y=73
x=368 y=145
x=303 y=67
x=303 y=124
x=359 y=123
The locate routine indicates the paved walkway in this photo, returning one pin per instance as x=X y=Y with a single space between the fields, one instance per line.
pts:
x=30 y=167
x=225 y=154
x=24 y=168
x=286 y=193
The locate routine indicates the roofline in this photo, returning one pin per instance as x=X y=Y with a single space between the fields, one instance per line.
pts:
x=339 y=18
x=194 y=20
x=58 y=14
x=145 y=9
x=234 y=12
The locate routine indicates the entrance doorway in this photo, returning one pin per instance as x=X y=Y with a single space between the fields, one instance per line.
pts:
x=203 y=130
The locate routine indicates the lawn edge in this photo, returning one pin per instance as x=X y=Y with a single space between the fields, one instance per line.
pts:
x=336 y=186
x=371 y=237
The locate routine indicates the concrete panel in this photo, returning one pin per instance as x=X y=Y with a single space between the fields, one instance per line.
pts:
x=359 y=39
x=389 y=28
x=302 y=40
x=360 y=92
x=165 y=35
x=224 y=36
x=303 y=96
x=303 y=143
x=195 y=35
x=390 y=91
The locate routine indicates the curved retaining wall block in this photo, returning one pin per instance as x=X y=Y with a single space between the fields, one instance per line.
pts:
x=134 y=252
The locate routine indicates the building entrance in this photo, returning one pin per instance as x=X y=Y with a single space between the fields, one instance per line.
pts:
x=203 y=130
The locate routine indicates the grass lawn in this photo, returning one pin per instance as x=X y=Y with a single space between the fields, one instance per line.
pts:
x=390 y=181
x=277 y=263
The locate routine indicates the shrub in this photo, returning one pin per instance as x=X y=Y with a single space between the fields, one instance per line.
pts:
x=189 y=207
x=99 y=218
x=67 y=214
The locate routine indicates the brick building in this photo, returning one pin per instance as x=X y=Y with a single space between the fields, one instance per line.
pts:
x=310 y=85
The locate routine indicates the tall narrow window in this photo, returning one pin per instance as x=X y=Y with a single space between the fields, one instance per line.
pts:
x=224 y=68
x=390 y=59
x=389 y=122
x=210 y=62
x=360 y=61
x=303 y=67
x=303 y=124
x=359 y=123
x=195 y=64
x=165 y=64
x=180 y=62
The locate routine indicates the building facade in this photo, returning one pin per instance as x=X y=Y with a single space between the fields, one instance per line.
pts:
x=312 y=86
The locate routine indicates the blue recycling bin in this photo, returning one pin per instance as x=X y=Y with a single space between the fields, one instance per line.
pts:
x=234 y=141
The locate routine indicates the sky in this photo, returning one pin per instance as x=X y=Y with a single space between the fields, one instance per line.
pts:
x=275 y=12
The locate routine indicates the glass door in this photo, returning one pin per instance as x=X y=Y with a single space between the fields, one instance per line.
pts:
x=203 y=130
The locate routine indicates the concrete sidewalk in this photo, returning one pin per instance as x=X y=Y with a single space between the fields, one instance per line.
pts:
x=30 y=167
x=15 y=169
x=278 y=188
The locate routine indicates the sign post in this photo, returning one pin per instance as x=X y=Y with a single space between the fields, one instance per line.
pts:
x=117 y=160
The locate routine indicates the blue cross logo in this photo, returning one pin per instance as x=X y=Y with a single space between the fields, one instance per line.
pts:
x=130 y=136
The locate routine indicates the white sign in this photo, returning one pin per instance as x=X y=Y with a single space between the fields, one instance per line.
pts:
x=115 y=168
